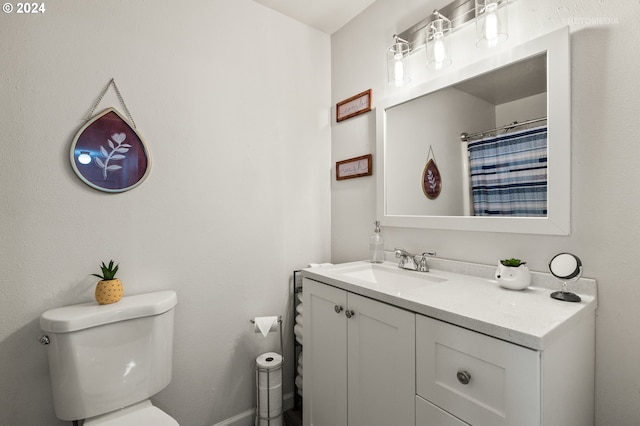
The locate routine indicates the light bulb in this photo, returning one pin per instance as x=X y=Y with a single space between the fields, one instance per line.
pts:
x=491 y=24
x=398 y=68
x=439 y=49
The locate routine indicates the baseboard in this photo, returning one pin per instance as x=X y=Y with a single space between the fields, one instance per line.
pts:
x=248 y=418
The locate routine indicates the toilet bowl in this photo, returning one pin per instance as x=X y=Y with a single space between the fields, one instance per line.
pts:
x=106 y=361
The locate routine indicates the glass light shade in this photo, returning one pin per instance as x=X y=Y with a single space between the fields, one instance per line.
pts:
x=438 y=54
x=397 y=66
x=491 y=22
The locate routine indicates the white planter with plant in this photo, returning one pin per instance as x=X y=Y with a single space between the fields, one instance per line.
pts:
x=513 y=274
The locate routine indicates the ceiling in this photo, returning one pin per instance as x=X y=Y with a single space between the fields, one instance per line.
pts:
x=327 y=16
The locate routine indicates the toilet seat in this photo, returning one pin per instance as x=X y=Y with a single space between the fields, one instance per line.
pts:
x=140 y=414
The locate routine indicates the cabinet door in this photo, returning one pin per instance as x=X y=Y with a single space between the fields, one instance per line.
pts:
x=381 y=366
x=324 y=355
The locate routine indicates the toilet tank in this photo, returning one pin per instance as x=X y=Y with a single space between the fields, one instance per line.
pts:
x=106 y=357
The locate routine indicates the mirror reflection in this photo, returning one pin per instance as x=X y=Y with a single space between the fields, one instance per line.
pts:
x=499 y=169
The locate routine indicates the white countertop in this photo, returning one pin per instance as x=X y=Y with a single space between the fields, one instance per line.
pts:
x=528 y=318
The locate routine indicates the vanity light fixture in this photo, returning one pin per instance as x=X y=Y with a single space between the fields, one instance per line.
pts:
x=397 y=67
x=433 y=31
x=437 y=41
x=491 y=22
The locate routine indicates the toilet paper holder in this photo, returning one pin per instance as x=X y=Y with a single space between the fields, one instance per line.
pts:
x=269 y=403
x=279 y=322
x=269 y=418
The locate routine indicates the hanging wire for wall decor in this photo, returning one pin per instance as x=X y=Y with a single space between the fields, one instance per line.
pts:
x=108 y=153
x=431 y=178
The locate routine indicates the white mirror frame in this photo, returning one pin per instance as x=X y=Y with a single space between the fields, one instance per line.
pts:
x=557 y=222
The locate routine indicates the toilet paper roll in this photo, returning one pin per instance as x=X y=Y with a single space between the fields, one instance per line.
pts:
x=299 y=309
x=269 y=378
x=269 y=361
x=300 y=370
x=300 y=320
x=265 y=325
x=270 y=402
x=299 y=296
x=300 y=358
x=269 y=366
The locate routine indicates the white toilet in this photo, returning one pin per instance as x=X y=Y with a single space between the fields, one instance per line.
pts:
x=106 y=361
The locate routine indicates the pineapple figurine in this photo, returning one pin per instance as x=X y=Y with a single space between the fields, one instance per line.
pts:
x=109 y=288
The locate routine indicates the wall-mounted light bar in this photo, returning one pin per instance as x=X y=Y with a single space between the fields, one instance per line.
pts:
x=491 y=29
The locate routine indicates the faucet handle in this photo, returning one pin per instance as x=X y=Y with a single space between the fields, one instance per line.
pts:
x=401 y=252
x=423 y=266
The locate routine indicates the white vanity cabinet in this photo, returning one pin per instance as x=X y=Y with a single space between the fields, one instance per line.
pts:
x=388 y=347
x=359 y=360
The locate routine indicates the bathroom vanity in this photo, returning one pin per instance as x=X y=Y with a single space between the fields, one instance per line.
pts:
x=449 y=347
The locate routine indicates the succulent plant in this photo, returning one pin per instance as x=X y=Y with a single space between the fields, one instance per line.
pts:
x=512 y=262
x=108 y=271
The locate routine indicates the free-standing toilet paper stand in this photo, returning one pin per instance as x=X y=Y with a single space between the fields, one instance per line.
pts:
x=265 y=415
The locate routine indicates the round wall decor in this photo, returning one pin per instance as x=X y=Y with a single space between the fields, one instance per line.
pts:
x=108 y=154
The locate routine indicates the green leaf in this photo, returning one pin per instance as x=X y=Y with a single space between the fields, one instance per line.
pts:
x=513 y=262
x=108 y=271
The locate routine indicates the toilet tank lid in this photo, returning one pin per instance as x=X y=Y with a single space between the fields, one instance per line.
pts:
x=85 y=315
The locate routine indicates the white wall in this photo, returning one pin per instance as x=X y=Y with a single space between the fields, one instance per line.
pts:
x=605 y=205
x=233 y=101
x=522 y=109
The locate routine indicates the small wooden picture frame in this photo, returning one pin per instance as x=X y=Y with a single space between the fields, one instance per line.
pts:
x=355 y=105
x=354 y=167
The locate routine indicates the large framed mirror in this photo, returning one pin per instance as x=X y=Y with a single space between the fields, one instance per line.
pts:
x=500 y=102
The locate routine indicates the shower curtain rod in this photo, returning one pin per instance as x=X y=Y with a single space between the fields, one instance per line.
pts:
x=466 y=137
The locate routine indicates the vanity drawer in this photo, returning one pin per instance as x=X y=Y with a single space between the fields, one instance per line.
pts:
x=428 y=414
x=479 y=379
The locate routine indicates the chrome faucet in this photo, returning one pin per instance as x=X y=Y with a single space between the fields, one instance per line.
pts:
x=406 y=259
x=413 y=262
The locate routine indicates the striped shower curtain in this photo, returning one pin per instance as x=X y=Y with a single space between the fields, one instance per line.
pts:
x=509 y=174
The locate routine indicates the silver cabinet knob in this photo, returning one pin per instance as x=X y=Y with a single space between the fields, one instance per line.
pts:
x=338 y=309
x=44 y=340
x=349 y=313
x=464 y=377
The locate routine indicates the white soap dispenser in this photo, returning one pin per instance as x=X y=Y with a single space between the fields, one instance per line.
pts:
x=376 y=246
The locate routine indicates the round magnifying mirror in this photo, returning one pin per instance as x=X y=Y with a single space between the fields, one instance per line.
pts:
x=565 y=267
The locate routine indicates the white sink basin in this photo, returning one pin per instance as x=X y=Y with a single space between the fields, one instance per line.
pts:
x=389 y=279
